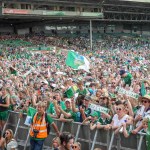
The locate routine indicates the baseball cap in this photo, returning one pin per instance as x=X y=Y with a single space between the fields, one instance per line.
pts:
x=69 y=79
x=68 y=100
x=94 y=114
x=122 y=72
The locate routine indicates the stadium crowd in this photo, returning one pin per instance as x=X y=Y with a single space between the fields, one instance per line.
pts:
x=113 y=95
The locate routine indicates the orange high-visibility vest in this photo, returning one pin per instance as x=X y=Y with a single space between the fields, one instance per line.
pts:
x=39 y=125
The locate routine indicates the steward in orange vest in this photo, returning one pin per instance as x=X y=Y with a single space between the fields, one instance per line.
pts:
x=38 y=131
x=38 y=127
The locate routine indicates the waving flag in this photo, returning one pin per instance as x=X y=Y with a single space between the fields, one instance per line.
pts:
x=77 y=61
x=31 y=112
x=143 y=89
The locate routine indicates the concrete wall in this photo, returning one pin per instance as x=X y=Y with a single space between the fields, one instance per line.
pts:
x=6 y=30
x=23 y=31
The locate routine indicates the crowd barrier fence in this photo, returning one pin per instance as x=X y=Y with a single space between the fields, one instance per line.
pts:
x=106 y=140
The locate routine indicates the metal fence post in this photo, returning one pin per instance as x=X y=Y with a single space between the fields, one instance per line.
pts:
x=26 y=142
x=18 y=123
x=77 y=134
x=5 y=124
x=108 y=138
x=140 y=142
x=62 y=126
x=94 y=140
x=111 y=141
x=118 y=142
x=89 y=139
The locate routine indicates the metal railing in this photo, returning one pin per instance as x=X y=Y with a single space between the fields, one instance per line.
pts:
x=89 y=140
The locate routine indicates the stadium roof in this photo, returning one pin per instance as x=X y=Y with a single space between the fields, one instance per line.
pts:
x=111 y=9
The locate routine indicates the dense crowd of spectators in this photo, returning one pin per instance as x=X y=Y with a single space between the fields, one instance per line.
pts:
x=28 y=77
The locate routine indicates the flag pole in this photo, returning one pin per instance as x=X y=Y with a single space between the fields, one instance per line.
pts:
x=91 y=34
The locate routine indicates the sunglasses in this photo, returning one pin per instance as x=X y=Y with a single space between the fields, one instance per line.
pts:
x=145 y=101
x=119 y=109
x=7 y=133
x=113 y=100
x=145 y=124
x=74 y=146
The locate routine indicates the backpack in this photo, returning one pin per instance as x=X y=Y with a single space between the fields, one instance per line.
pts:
x=47 y=124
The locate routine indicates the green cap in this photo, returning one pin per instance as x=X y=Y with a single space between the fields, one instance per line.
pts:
x=94 y=114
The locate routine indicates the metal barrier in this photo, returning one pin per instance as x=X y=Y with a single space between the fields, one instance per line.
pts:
x=89 y=140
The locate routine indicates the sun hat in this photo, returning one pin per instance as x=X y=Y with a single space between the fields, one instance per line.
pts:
x=147 y=96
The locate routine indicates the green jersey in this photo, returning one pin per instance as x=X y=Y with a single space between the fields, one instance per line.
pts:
x=73 y=115
x=82 y=92
x=51 y=108
x=104 y=121
x=127 y=79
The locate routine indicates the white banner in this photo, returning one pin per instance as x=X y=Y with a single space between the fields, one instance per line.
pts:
x=99 y=108
x=128 y=93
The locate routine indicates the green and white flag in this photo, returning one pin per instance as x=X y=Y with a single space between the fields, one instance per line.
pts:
x=99 y=108
x=69 y=93
x=30 y=114
x=143 y=89
x=77 y=61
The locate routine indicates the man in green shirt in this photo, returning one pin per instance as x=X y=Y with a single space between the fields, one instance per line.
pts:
x=127 y=77
x=67 y=114
x=52 y=110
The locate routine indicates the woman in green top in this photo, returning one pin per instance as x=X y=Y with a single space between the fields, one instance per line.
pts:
x=4 y=106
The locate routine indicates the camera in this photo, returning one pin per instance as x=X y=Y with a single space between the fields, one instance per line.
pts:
x=83 y=106
x=54 y=97
x=35 y=132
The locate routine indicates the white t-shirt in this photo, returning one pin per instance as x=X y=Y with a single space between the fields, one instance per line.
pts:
x=11 y=144
x=118 y=122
